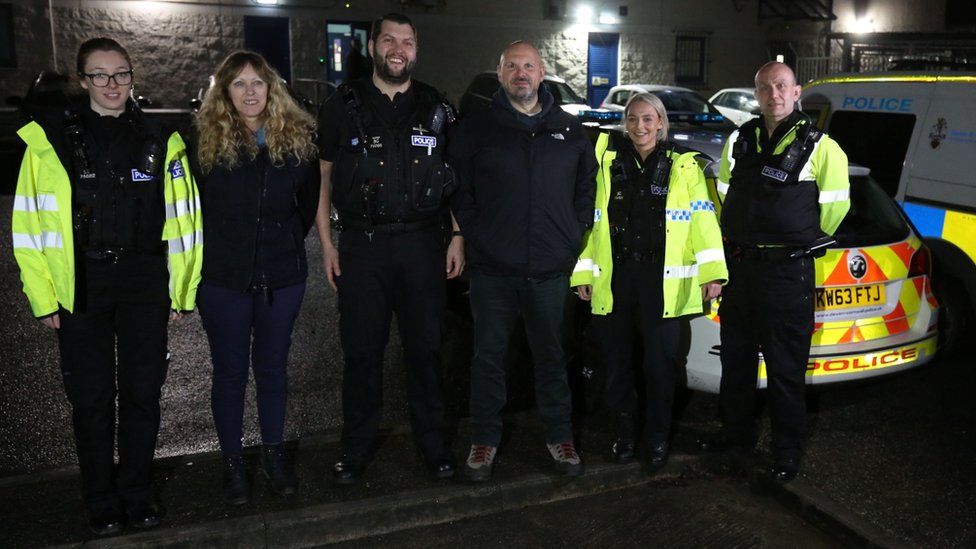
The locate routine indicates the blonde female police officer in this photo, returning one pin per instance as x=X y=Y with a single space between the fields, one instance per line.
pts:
x=654 y=254
x=106 y=230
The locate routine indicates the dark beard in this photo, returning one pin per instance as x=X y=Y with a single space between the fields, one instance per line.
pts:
x=394 y=79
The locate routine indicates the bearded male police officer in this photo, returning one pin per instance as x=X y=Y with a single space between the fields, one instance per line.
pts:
x=784 y=187
x=381 y=156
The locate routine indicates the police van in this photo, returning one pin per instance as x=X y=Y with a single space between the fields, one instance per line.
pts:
x=916 y=132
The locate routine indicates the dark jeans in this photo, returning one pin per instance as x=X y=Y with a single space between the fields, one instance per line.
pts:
x=767 y=306
x=496 y=303
x=114 y=345
x=245 y=331
x=400 y=273
x=638 y=306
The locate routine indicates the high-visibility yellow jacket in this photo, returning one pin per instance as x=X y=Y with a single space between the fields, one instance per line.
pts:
x=693 y=252
x=42 y=219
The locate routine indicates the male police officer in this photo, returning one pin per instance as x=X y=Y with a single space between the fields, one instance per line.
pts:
x=784 y=187
x=527 y=184
x=381 y=155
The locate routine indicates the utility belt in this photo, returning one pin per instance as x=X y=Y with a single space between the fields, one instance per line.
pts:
x=764 y=253
x=640 y=257
x=780 y=253
x=625 y=253
x=114 y=255
x=395 y=227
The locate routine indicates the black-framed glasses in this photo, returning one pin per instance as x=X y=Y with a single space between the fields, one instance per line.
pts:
x=100 y=79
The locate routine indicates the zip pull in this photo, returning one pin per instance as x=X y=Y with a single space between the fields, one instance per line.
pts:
x=369 y=235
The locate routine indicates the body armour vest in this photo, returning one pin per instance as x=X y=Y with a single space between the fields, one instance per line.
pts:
x=116 y=167
x=637 y=201
x=387 y=174
x=767 y=202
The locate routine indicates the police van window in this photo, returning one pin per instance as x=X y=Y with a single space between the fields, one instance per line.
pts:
x=621 y=97
x=873 y=219
x=876 y=140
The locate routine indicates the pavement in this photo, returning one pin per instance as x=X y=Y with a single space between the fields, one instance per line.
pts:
x=691 y=502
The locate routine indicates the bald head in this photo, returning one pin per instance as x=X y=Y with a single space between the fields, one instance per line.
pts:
x=777 y=68
x=520 y=73
x=777 y=92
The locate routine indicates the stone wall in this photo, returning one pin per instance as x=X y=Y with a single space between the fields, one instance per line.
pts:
x=175 y=46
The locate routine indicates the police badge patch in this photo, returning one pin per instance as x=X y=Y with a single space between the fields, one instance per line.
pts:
x=773 y=173
x=138 y=176
x=175 y=170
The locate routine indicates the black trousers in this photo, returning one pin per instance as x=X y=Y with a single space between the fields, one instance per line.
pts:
x=767 y=306
x=114 y=344
x=496 y=304
x=247 y=332
x=638 y=308
x=402 y=273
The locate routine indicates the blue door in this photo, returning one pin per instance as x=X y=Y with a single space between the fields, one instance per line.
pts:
x=601 y=66
x=270 y=37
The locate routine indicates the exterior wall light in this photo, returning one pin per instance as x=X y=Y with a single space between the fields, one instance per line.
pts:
x=863 y=25
x=266 y=2
x=584 y=14
x=608 y=19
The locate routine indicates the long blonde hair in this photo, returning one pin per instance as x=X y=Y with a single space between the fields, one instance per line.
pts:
x=224 y=137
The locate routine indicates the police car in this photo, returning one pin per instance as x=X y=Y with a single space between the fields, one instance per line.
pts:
x=916 y=131
x=876 y=312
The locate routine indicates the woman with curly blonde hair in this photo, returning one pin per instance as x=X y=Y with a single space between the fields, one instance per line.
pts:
x=259 y=179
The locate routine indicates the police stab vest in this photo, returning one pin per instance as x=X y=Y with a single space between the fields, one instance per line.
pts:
x=116 y=178
x=385 y=174
x=637 y=200
x=767 y=202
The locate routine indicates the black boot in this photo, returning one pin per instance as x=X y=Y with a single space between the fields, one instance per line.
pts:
x=237 y=491
x=278 y=470
x=622 y=449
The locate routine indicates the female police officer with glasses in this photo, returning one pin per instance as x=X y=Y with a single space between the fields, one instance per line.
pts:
x=106 y=232
x=654 y=254
x=260 y=181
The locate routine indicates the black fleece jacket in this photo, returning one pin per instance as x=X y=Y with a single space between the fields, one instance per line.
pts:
x=255 y=218
x=527 y=189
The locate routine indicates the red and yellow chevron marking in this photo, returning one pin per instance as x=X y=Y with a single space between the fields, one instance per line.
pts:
x=884 y=264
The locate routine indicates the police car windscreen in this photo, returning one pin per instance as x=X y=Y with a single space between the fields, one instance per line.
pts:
x=873 y=219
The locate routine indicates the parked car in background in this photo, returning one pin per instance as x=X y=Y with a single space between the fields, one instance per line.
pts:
x=737 y=104
x=478 y=94
x=694 y=123
x=876 y=313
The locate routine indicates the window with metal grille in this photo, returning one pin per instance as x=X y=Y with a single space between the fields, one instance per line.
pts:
x=689 y=60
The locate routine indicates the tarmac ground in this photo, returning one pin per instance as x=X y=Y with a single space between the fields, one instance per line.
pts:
x=690 y=503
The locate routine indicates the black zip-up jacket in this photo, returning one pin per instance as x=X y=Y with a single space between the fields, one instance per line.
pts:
x=527 y=189
x=255 y=218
